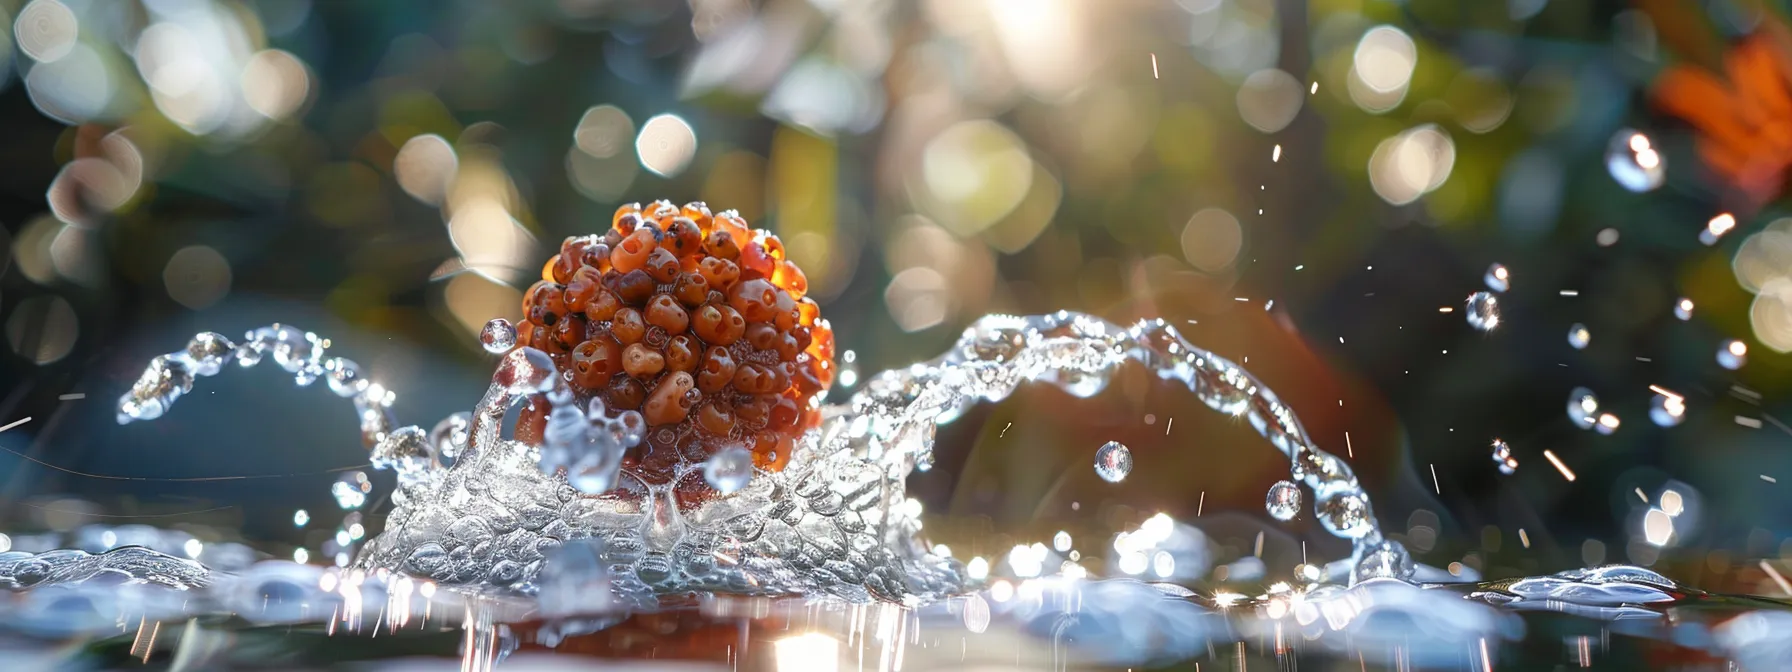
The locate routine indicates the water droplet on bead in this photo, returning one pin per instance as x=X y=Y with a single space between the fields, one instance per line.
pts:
x=1578 y=336
x=498 y=336
x=1283 y=501
x=1502 y=457
x=1667 y=411
x=1732 y=355
x=208 y=352
x=1483 y=311
x=1683 y=309
x=1583 y=407
x=1498 y=278
x=1633 y=161
x=1113 y=462
x=729 y=469
x=300 y=518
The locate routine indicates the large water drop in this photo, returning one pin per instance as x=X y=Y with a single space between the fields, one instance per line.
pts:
x=1113 y=461
x=1483 y=311
x=1578 y=336
x=1283 y=501
x=1502 y=457
x=1633 y=161
x=498 y=336
x=729 y=469
x=1583 y=408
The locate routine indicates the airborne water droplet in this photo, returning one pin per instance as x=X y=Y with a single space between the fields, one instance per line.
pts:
x=300 y=518
x=498 y=336
x=729 y=470
x=1502 y=457
x=1733 y=354
x=1633 y=161
x=1498 y=278
x=1578 y=336
x=1283 y=501
x=848 y=369
x=1683 y=309
x=1667 y=411
x=1113 y=461
x=1583 y=407
x=1483 y=311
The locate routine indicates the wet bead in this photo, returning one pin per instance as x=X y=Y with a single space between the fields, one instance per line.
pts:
x=603 y=305
x=625 y=394
x=773 y=246
x=756 y=409
x=583 y=285
x=569 y=330
x=718 y=370
x=641 y=361
x=733 y=224
x=683 y=237
x=668 y=403
x=807 y=310
x=597 y=256
x=628 y=326
x=525 y=331
x=683 y=353
x=785 y=313
x=721 y=245
x=762 y=336
x=698 y=212
x=664 y=312
x=691 y=289
x=532 y=420
x=660 y=212
x=753 y=378
x=784 y=414
x=627 y=217
x=776 y=457
x=595 y=362
x=720 y=273
x=756 y=300
x=663 y=266
x=718 y=325
x=755 y=263
x=716 y=417
x=790 y=277
x=634 y=250
x=635 y=287
x=788 y=348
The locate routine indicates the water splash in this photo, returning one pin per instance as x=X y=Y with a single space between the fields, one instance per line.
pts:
x=1483 y=311
x=1113 y=462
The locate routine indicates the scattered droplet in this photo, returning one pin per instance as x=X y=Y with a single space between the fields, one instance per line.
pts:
x=1061 y=541
x=351 y=490
x=498 y=336
x=1583 y=407
x=1283 y=501
x=301 y=518
x=1483 y=311
x=1667 y=410
x=1717 y=227
x=1308 y=573
x=1498 y=278
x=1633 y=161
x=1578 y=336
x=848 y=369
x=1113 y=461
x=1733 y=354
x=1607 y=424
x=1502 y=457
x=729 y=469
x=1683 y=309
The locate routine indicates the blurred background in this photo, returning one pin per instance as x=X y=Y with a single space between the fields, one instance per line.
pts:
x=1312 y=189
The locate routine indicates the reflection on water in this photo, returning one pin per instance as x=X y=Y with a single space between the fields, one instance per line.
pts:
x=488 y=537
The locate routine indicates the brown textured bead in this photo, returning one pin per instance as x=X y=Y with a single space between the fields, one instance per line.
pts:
x=634 y=250
x=784 y=413
x=570 y=330
x=584 y=284
x=635 y=287
x=718 y=370
x=603 y=305
x=663 y=265
x=762 y=336
x=775 y=457
x=627 y=217
x=721 y=245
x=716 y=417
x=698 y=212
x=595 y=361
x=754 y=262
x=756 y=300
x=718 y=325
x=755 y=410
x=597 y=256
x=660 y=213
x=753 y=378
x=784 y=312
x=669 y=402
x=719 y=273
x=641 y=361
x=683 y=353
x=628 y=326
x=790 y=278
x=731 y=222
x=532 y=420
x=664 y=312
x=683 y=237
x=691 y=289
x=625 y=394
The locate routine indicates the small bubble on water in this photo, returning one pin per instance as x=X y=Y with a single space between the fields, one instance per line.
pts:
x=1634 y=162
x=1483 y=312
x=1578 y=336
x=1502 y=457
x=301 y=518
x=1113 y=461
x=1683 y=309
x=498 y=336
x=1498 y=278
x=1732 y=355
x=1583 y=407
x=1667 y=410
x=1283 y=501
x=729 y=470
